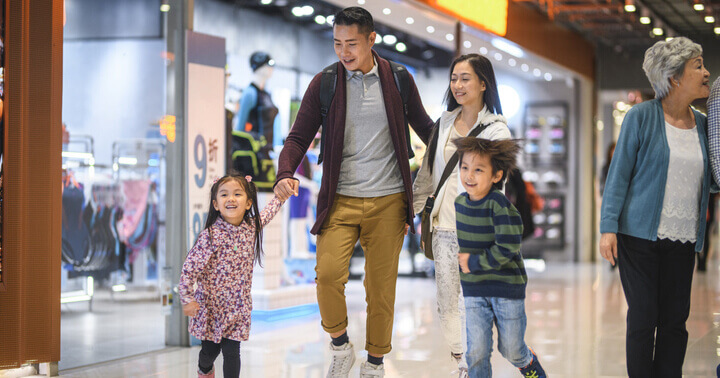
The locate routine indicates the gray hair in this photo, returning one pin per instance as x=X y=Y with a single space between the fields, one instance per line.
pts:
x=666 y=60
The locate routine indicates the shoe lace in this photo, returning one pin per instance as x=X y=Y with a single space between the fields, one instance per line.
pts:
x=532 y=374
x=339 y=364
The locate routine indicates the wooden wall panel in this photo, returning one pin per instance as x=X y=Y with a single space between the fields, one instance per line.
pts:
x=30 y=300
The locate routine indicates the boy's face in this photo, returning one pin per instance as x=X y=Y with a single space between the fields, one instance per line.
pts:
x=477 y=176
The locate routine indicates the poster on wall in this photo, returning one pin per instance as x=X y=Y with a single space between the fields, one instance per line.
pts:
x=205 y=124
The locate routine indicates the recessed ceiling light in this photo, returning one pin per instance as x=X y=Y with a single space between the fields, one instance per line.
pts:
x=699 y=7
x=330 y=19
x=512 y=62
x=630 y=8
x=389 y=39
x=483 y=50
x=658 y=31
x=430 y=29
x=498 y=56
x=320 y=19
x=265 y=2
x=410 y=20
x=361 y=2
x=645 y=20
x=525 y=67
x=166 y=7
x=467 y=44
x=709 y=19
x=537 y=72
x=400 y=47
x=717 y=30
x=378 y=38
x=449 y=37
x=548 y=76
x=387 y=11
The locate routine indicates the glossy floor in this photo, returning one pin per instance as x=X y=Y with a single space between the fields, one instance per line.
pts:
x=576 y=324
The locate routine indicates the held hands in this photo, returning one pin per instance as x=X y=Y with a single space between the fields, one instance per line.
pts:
x=463 y=259
x=191 y=309
x=608 y=247
x=285 y=188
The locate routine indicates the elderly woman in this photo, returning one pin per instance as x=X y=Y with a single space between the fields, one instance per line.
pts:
x=654 y=205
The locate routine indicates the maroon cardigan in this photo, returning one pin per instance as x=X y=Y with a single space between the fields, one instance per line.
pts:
x=309 y=120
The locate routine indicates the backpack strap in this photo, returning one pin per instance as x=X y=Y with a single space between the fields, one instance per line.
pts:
x=327 y=92
x=402 y=81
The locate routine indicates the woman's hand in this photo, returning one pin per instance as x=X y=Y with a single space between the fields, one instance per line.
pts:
x=191 y=309
x=608 y=247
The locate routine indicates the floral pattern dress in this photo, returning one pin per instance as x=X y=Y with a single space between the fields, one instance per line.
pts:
x=223 y=270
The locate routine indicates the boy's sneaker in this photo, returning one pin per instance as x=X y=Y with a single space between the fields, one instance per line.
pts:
x=462 y=365
x=343 y=358
x=368 y=370
x=533 y=370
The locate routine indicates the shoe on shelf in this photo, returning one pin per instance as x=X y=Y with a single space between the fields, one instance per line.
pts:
x=343 y=358
x=211 y=374
x=368 y=370
x=533 y=370
x=462 y=365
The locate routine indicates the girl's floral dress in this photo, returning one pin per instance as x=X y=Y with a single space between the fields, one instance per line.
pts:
x=222 y=270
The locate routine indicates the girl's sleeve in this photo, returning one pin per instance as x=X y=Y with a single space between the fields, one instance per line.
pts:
x=268 y=213
x=194 y=266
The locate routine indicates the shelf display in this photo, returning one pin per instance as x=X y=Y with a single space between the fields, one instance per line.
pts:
x=545 y=165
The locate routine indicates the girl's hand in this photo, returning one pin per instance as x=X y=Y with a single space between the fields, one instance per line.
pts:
x=463 y=259
x=608 y=247
x=191 y=309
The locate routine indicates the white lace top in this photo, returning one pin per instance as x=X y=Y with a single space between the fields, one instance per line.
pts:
x=680 y=219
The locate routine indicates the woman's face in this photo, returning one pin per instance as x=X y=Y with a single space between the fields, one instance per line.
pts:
x=695 y=81
x=465 y=85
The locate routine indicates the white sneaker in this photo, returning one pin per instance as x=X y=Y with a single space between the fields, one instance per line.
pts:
x=343 y=358
x=368 y=370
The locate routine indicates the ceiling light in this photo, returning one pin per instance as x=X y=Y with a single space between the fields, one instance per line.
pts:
x=467 y=44
x=387 y=11
x=330 y=19
x=410 y=20
x=400 y=47
x=512 y=62
x=389 y=39
x=537 y=72
x=548 y=76
x=361 y=2
x=717 y=30
x=525 y=67
x=165 y=8
x=498 y=56
x=449 y=36
x=630 y=6
x=430 y=29
x=308 y=10
x=378 y=38
x=297 y=12
x=427 y=54
x=645 y=20
x=657 y=31
x=265 y=2
x=507 y=47
x=709 y=19
x=320 y=19
x=483 y=50
x=699 y=7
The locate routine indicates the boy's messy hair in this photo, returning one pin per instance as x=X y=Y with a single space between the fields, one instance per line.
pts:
x=503 y=153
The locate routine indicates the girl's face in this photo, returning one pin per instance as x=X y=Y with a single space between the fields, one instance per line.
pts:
x=465 y=85
x=232 y=202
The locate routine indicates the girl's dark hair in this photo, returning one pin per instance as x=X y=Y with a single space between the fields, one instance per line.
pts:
x=252 y=216
x=356 y=16
x=503 y=154
x=484 y=70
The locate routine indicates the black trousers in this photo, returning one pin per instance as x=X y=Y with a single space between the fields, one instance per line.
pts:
x=657 y=278
x=231 y=356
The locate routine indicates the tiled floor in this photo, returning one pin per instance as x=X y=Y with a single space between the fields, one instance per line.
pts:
x=575 y=323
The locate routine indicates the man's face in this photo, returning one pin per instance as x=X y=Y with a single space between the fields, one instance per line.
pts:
x=353 y=48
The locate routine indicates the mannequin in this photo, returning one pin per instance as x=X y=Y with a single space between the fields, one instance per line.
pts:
x=257 y=113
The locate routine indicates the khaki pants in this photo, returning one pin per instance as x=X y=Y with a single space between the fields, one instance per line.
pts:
x=379 y=223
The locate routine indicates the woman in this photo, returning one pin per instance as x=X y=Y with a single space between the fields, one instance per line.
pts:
x=472 y=101
x=654 y=205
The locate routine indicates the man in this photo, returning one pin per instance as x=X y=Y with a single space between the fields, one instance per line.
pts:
x=366 y=185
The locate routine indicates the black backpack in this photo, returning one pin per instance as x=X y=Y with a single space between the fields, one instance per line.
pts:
x=327 y=92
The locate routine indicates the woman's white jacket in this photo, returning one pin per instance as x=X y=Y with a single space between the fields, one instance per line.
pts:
x=426 y=182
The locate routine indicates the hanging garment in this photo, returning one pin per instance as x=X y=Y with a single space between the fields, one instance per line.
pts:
x=136 y=198
x=75 y=231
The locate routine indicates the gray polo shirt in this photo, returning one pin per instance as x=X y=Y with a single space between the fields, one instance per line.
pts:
x=369 y=166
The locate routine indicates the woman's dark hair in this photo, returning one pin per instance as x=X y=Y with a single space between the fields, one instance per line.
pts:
x=484 y=70
x=252 y=216
x=356 y=16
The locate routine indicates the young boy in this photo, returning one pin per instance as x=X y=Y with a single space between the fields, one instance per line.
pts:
x=493 y=278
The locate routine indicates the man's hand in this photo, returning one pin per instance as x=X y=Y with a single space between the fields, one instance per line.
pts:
x=463 y=259
x=608 y=247
x=285 y=188
x=191 y=309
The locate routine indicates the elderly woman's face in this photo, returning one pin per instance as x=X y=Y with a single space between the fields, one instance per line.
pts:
x=695 y=81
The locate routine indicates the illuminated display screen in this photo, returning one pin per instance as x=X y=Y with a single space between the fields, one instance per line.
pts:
x=490 y=15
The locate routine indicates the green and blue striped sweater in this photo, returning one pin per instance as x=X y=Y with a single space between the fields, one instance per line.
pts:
x=490 y=230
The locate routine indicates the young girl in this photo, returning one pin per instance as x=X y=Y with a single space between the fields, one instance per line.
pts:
x=221 y=264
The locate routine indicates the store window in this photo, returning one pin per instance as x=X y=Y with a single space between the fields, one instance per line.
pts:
x=113 y=160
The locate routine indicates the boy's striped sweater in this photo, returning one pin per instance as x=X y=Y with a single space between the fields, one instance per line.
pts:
x=490 y=230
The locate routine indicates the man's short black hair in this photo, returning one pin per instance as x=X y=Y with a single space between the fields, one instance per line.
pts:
x=356 y=16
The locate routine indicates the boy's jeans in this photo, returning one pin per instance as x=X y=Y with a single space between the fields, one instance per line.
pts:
x=509 y=317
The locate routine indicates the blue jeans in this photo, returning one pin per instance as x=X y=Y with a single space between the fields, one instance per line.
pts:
x=510 y=320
